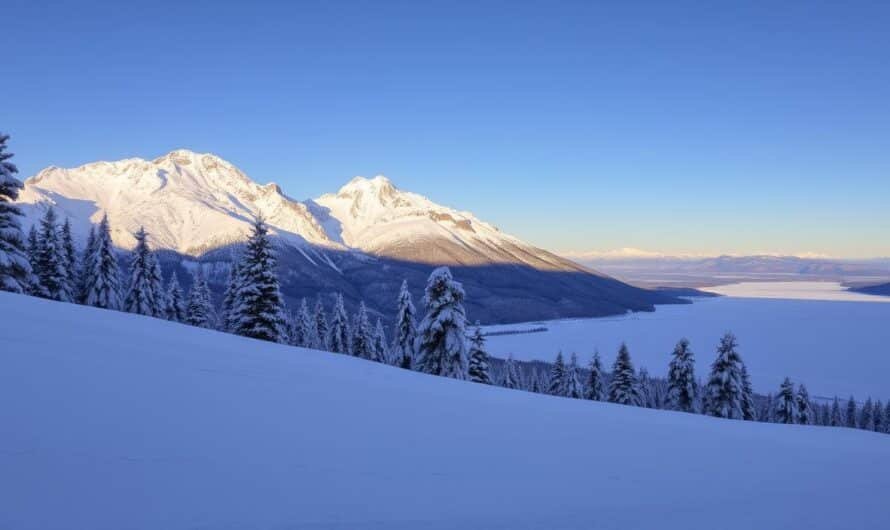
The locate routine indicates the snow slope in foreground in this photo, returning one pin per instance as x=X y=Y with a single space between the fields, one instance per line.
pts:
x=115 y=421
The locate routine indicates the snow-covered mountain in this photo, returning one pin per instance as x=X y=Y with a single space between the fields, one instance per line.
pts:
x=361 y=240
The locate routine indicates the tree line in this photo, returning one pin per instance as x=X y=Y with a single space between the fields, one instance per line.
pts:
x=47 y=264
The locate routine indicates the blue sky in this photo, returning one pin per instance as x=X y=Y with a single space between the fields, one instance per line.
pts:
x=668 y=126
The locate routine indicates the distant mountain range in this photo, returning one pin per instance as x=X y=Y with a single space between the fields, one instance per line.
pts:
x=362 y=240
x=647 y=268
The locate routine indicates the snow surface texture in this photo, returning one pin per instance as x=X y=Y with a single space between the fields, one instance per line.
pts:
x=193 y=202
x=112 y=420
x=834 y=347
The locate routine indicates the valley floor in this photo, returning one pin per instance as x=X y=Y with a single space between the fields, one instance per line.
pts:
x=115 y=421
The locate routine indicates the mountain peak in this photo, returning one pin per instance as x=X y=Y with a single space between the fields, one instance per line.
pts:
x=378 y=185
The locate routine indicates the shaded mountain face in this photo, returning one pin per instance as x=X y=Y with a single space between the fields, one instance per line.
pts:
x=362 y=240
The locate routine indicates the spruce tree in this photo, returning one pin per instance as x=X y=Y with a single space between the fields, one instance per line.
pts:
x=51 y=265
x=557 y=376
x=339 y=333
x=442 y=336
x=230 y=297
x=175 y=310
x=510 y=377
x=594 y=390
x=850 y=417
x=103 y=287
x=749 y=412
x=805 y=415
x=572 y=387
x=836 y=419
x=405 y=332
x=303 y=327
x=199 y=307
x=786 y=404
x=32 y=250
x=320 y=320
x=259 y=309
x=646 y=388
x=15 y=268
x=682 y=387
x=72 y=276
x=362 y=339
x=379 y=343
x=877 y=416
x=157 y=285
x=866 y=420
x=725 y=390
x=623 y=386
x=478 y=369
x=87 y=264
x=886 y=421
x=140 y=297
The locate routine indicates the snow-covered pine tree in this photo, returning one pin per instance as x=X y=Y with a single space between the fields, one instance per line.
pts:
x=339 y=333
x=682 y=387
x=886 y=421
x=766 y=412
x=157 y=284
x=786 y=404
x=573 y=388
x=725 y=390
x=103 y=286
x=824 y=415
x=72 y=275
x=877 y=416
x=140 y=297
x=749 y=412
x=199 y=308
x=320 y=320
x=302 y=328
x=510 y=378
x=442 y=335
x=381 y=349
x=836 y=419
x=866 y=421
x=32 y=250
x=646 y=389
x=175 y=310
x=51 y=264
x=557 y=381
x=805 y=415
x=362 y=335
x=230 y=297
x=623 y=386
x=15 y=268
x=259 y=309
x=594 y=390
x=850 y=417
x=87 y=263
x=478 y=370
x=405 y=332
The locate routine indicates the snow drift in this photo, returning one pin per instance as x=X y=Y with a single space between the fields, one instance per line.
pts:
x=112 y=420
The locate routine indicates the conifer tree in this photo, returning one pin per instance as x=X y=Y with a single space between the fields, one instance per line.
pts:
x=511 y=375
x=230 y=297
x=87 y=264
x=362 y=339
x=15 y=267
x=379 y=343
x=339 y=334
x=766 y=412
x=175 y=310
x=836 y=419
x=594 y=390
x=866 y=421
x=405 y=332
x=157 y=284
x=442 y=336
x=32 y=251
x=877 y=416
x=682 y=387
x=103 y=287
x=804 y=410
x=259 y=309
x=886 y=421
x=725 y=390
x=320 y=320
x=478 y=369
x=51 y=266
x=72 y=276
x=748 y=410
x=623 y=386
x=572 y=387
x=140 y=298
x=302 y=332
x=199 y=308
x=557 y=382
x=646 y=389
x=786 y=404
x=850 y=417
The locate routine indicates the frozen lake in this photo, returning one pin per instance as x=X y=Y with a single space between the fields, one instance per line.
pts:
x=837 y=342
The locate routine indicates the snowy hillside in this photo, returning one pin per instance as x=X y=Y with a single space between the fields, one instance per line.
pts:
x=111 y=420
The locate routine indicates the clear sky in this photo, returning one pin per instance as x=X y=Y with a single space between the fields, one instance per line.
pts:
x=700 y=127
